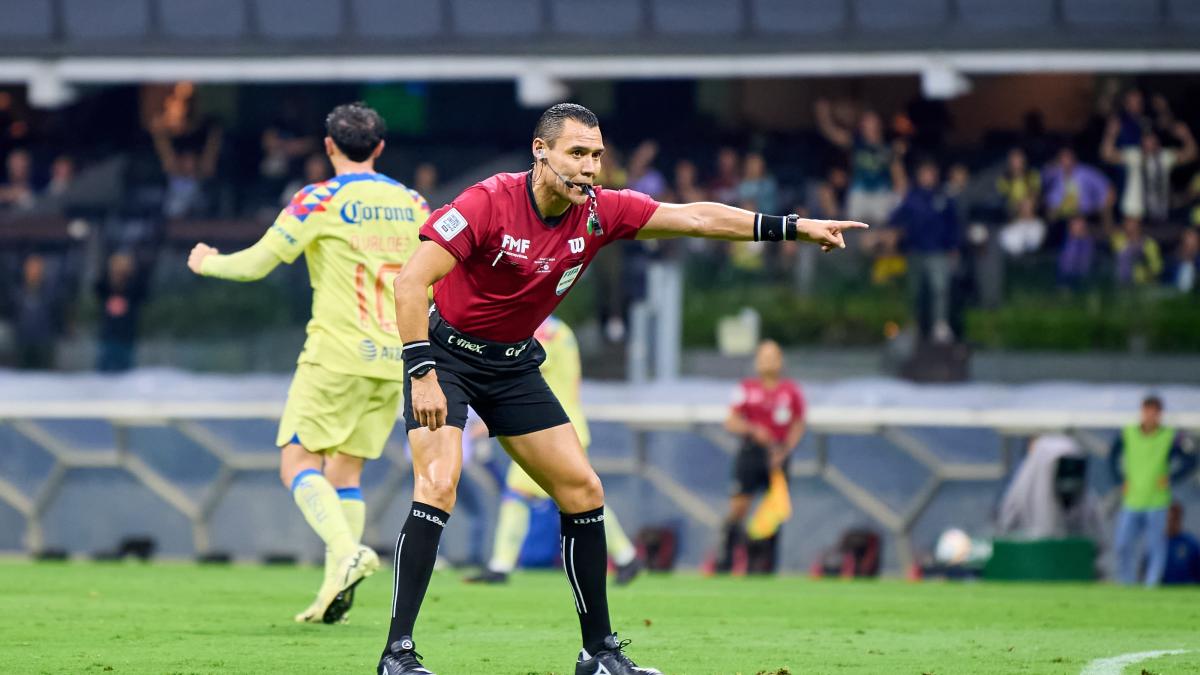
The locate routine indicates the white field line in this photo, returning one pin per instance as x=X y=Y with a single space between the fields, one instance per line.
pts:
x=1113 y=665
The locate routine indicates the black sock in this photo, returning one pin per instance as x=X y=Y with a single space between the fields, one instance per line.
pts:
x=416 y=551
x=731 y=540
x=585 y=560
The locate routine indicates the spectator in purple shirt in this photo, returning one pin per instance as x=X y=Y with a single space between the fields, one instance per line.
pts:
x=1075 y=259
x=1073 y=189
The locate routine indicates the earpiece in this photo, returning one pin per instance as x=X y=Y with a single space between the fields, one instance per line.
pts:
x=541 y=154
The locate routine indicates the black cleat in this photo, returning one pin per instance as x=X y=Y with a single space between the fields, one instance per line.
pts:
x=340 y=607
x=628 y=572
x=402 y=659
x=488 y=577
x=610 y=661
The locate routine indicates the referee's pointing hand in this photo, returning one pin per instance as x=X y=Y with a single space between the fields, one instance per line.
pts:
x=428 y=401
x=827 y=233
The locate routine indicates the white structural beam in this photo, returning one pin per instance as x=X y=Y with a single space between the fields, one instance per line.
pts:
x=845 y=419
x=108 y=70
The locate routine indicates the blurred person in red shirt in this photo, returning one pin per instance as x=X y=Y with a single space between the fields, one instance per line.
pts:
x=768 y=414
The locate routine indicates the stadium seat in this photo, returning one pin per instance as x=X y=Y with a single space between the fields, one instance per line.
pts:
x=396 y=18
x=798 y=17
x=26 y=20
x=686 y=17
x=497 y=18
x=290 y=19
x=210 y=19
x=113 y=20
x=889 y=16
x=1115 y=14
x=1183 y=13
x=620 y=18
x=992 y=16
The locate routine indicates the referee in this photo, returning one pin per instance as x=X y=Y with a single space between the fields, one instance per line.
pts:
x=500 y=258
x=768 y=414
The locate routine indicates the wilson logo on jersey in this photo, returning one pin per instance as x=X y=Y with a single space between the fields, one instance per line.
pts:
x=576 y=244
x=450 y=224
x=567 y=279
x=356 y=213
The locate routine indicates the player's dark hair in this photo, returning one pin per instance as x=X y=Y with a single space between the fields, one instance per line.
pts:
x=550 y=124
x=356 y=130
x=1153 y=401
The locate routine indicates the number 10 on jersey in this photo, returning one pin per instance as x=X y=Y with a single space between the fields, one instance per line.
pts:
x=385 y=274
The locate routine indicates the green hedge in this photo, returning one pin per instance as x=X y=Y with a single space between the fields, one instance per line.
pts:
x=833 y=316
x=1161 y=324
x=845 y=320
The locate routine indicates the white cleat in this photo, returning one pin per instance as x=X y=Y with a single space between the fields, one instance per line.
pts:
x=351 y=570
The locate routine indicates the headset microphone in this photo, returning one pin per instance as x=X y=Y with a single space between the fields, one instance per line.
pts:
x=571 y=185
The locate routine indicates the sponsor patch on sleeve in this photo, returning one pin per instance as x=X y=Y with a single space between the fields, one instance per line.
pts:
x=450 y=224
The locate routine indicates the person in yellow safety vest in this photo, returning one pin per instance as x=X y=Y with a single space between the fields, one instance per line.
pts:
x=1146 y=459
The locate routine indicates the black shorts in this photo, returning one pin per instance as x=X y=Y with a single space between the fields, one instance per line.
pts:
x=501 y=381
x=752 y=469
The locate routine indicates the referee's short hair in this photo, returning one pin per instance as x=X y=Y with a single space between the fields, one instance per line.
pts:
x=356 y=129
x=550 y=124
x=1152 y=401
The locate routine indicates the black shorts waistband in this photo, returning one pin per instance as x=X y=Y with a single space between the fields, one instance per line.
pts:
x=451 y=338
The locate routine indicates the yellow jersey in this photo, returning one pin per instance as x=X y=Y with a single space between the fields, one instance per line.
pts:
x=356 y=231
x=562 y=371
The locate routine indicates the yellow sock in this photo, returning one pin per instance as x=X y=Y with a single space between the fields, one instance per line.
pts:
x=512 y=524
x=319 y=503
x=355 y=510
x=619 y=546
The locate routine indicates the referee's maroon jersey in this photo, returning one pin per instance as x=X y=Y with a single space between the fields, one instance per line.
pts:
x=514 y=267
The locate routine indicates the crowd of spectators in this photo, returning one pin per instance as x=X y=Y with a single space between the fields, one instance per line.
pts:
x=1123 y=212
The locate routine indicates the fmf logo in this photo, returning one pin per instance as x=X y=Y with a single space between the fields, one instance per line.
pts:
x=576 y=244
x=515 y=245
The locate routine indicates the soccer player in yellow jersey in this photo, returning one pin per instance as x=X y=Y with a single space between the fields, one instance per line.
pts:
x=561 y=370
x=355 y=230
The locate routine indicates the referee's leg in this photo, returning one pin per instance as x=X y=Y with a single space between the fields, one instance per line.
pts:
x=437 y=462
x=554 y=458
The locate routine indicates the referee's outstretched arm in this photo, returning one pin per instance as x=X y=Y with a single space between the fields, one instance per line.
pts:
x=718 y=221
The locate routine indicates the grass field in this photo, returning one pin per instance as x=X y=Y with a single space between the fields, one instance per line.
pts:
x=179 y=618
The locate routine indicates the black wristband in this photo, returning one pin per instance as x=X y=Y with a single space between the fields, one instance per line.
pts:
x=418 y=358
x=775 y=228
x=768 y=228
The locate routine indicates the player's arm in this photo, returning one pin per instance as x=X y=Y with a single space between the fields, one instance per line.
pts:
x=1114 y=460
x=1182 y=457
x=795 y=434
x=249 y=264
x=428 y=264
x=738 y=425
x=710 y=220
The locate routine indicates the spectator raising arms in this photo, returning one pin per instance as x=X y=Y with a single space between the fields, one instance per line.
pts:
x=1148 y=165
x=871 y=197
